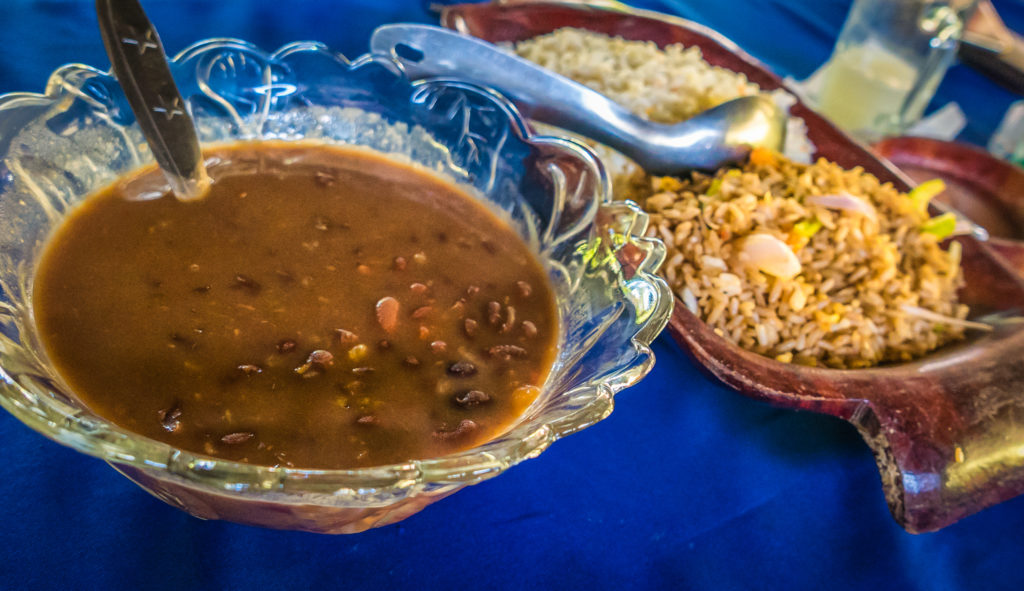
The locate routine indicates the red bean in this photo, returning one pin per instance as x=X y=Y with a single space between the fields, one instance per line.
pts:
x=387 y=313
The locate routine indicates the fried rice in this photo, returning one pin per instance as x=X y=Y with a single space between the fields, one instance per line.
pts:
x=865 y=280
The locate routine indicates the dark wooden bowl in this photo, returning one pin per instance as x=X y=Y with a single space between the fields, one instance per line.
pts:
x=943 y=429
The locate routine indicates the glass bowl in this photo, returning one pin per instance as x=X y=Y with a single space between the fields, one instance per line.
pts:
x=80 y=135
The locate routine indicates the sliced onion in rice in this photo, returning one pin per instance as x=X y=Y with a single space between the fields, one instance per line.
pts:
x=729 y=284
x=769 y=255
x=690 y=300
x=845 y=202
x=713 y=262
x=925 y=314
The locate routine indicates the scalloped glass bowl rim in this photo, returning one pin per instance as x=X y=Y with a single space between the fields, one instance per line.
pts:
x=101 y=439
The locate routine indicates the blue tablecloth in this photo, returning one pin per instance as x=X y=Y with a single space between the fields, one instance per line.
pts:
x=686 y=485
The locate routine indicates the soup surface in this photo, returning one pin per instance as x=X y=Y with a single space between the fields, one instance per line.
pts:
x=320 y=308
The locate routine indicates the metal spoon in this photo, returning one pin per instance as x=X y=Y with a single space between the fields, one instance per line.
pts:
x=140 y=65
x=718 y=136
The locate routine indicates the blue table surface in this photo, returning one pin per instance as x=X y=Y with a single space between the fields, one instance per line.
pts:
x=686 y=485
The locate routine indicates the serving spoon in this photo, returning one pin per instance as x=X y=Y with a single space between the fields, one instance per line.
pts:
x=719 y=136
x=140 y=65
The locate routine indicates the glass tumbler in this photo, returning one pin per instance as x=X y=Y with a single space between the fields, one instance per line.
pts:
x=888 y=61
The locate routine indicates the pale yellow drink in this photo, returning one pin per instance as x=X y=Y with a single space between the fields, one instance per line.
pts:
x=864 y=88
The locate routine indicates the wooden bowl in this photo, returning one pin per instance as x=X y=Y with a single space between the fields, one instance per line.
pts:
x=943 y=428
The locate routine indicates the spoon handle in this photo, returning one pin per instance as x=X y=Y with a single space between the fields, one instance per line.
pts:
x=426 y=51
x=140 y=65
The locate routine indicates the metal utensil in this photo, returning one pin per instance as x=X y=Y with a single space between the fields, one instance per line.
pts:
x=140 y=65
x=990 y=47
x=716 y=137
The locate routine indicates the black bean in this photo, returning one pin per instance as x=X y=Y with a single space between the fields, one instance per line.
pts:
x=170 y=418
x=315 y=363
x=506 y=352
x=465 y=427
x=462 y=369
x=237 y=437
x=471 y=398
x=320 y=357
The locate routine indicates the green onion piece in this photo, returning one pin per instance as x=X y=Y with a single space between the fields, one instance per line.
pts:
x=941 y=226
x=733 y=172
x=807 y=228
x=924 y=192
x=714 y=188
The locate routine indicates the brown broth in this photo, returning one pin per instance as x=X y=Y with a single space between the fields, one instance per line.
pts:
x=320 y=308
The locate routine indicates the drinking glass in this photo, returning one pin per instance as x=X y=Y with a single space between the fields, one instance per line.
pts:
x=888 y=61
